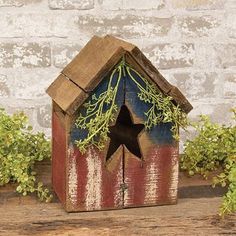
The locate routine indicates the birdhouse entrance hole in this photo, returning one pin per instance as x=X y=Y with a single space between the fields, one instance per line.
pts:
x=124 y=132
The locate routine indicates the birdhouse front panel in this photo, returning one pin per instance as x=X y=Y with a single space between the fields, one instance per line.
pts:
x=135 y=168
x=115 y=123
x=153 y=178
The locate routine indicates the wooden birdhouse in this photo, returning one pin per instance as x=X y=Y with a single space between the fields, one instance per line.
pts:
x=114 y=120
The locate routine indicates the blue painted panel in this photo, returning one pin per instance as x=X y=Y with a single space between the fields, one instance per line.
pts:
x=160 y=134
x=77 y=133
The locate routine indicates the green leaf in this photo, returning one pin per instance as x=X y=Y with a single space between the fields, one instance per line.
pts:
x=20 y=149
x=214 y=146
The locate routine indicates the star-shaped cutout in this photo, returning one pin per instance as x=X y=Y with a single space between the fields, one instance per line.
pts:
x=124 y=132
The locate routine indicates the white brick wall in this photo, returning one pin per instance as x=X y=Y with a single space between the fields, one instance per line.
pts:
x=192 y=42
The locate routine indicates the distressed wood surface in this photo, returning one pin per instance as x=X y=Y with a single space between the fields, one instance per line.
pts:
x=132 y=182
x=95 y=61
x=152 y=72
x=65 y=93
x=196 y=216
x=83 y=181
x=59 y=155
x=152 y=180
x=91 y=184
x=162 y=83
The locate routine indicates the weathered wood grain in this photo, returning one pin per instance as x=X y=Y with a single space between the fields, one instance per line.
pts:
x=95 y=61
x=198 y=216
x=59 y=156
x=162 y=83
x=94 y=184
x=188 y=217
x=119 y=43
x=83 y=181
x=66 y=94
x=194 y=187
x=152 y=72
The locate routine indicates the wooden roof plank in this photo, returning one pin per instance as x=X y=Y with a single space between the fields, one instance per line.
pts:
x=160 y=81
x=95 y=61
x=180 y=99
x=88 y=67
x=142 y=60
x=173 y=91
x=119 y=43
x=65 y=93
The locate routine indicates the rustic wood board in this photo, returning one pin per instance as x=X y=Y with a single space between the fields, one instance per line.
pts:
x=95 y=61
x=198 y=216
x=188 y=217
x=66 y=94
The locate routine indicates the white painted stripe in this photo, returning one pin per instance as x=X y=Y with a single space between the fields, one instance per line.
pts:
x=127 y=192
x=175 y=174
x=152 y=178
x=151 y=184
x=118 y=199
x=94 y=181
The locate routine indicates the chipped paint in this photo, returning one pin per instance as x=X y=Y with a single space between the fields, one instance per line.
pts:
x=71 y=4
x=174 y=175
x=94 y=180
x=198 y=26
x=72 y=178
x=25 y=55
x=118 y=197
x=122 y=24
x=173 y=55
x=151 y=184
x=127 y=193
x=4 y=87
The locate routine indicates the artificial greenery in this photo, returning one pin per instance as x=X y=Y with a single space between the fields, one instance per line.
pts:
x=100 y=111
x=97 y=118
x=213 y=148
x=20 y=149
x=162 y=108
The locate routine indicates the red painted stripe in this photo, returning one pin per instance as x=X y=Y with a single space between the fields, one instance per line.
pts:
x=135 y=172
x=81 y=171
x=164 y=155
x=112 y=196
x=153 y=178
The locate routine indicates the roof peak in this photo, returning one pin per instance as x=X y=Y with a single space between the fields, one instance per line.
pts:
x=94 y=61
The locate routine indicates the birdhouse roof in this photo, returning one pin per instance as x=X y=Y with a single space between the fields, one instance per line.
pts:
x=82 y=75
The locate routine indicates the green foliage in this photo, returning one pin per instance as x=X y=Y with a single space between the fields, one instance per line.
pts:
x=19 y=150
x=214 y=147
x=162 y=108
x=100 y=110
x=97 y=117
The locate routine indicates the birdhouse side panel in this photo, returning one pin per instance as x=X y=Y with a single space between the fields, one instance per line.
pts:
x=93 y=182
x=59 y=150
x=152 y=179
